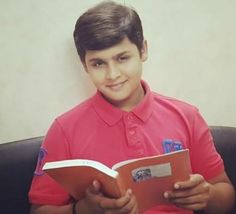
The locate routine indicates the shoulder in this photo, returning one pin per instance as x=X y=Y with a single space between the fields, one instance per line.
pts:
x=174 y=104
x=78 y=113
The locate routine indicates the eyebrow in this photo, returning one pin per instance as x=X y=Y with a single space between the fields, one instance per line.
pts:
x=116 y=56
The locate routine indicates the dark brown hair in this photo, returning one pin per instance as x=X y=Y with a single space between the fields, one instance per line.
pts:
x=105 y=25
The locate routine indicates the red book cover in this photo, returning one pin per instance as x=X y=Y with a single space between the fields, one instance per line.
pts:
x=148 y=177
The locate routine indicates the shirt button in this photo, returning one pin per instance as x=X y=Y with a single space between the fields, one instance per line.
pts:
x=131 y=132
x=130 y=117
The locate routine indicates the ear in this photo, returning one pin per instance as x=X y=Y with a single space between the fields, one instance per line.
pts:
x=144 y=51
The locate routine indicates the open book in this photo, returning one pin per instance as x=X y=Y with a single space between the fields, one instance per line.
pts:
x=148 y=177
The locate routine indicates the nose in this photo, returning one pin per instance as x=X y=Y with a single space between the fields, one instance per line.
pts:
x=113 y=72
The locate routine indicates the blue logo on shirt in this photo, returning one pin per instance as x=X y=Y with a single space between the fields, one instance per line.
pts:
x=41 y=157
x=170 y=145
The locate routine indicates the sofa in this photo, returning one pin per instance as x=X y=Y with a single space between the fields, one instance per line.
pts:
x=18 y=160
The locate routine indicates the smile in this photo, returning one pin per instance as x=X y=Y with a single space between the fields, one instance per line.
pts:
x=116 y=86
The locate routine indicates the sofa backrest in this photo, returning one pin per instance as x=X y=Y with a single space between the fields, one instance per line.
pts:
x=18 y=161
x=225 y=143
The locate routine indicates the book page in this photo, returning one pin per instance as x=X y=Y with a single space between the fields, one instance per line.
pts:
x=81 y=162
x=122 y=163
x=76 y=175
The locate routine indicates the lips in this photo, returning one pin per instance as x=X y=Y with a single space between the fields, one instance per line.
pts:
x=116 y=86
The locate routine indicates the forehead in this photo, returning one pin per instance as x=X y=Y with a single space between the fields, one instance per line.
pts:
x=125 y=46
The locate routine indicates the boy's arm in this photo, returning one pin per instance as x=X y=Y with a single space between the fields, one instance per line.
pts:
x=66 y=209
x=214 y=196
x=49 y=209
x=222 y=195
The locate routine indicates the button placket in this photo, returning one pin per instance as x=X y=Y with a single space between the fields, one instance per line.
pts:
x=131 y=130
x=133 y=135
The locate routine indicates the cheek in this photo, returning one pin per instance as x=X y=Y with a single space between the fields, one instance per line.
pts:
x=97 y=78
x=133 y=69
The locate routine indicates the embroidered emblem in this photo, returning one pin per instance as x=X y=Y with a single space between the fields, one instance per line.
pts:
x=41 y=157
x=170 y=145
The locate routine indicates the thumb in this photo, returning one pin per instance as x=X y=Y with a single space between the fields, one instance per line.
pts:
x=96 y=186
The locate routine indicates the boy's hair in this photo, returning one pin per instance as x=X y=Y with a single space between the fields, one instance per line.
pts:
x=105 y=25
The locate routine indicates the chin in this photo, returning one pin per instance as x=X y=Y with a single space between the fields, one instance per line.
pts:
x=117 y=99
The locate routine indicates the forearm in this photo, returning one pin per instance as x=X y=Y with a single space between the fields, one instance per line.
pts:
x=222 y=198
x=83 y=208
x=80 y=208
x=49 y=209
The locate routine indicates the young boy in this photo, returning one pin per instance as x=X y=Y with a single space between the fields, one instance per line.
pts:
x=126 y=120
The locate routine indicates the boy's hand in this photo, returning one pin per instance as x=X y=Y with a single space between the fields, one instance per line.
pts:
x=97 y=203
x=192 y=194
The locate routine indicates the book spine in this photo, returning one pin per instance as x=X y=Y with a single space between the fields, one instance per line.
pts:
x=121 y=185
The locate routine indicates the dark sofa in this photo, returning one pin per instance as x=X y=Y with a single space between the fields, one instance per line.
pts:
x=18 y=160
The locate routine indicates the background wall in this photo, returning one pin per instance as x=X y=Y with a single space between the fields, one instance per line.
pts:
x=192 y=54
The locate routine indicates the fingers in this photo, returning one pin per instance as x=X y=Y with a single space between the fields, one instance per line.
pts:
x=195 y=202
x=196 y=184
x=135 y=207
x=108 y=203
x=191 y=194
x=194 y=180
x=131 y=207
x=202 y=188
x=124 y=205
x=93 y=197
x=195 y=206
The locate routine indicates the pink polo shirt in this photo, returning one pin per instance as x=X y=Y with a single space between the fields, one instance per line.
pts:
x=99 y=131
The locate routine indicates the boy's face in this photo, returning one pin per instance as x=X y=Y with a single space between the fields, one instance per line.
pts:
x=116 y=72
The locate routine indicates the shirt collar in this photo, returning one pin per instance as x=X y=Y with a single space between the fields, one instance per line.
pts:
x=111 y=115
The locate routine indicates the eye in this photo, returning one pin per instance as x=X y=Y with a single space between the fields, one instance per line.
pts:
x=98 y=64
x=123 y=58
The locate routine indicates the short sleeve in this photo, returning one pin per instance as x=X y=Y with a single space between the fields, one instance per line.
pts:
x=44 y=190
x=204 y=158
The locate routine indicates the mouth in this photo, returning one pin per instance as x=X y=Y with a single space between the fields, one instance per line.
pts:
x=116 y=86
